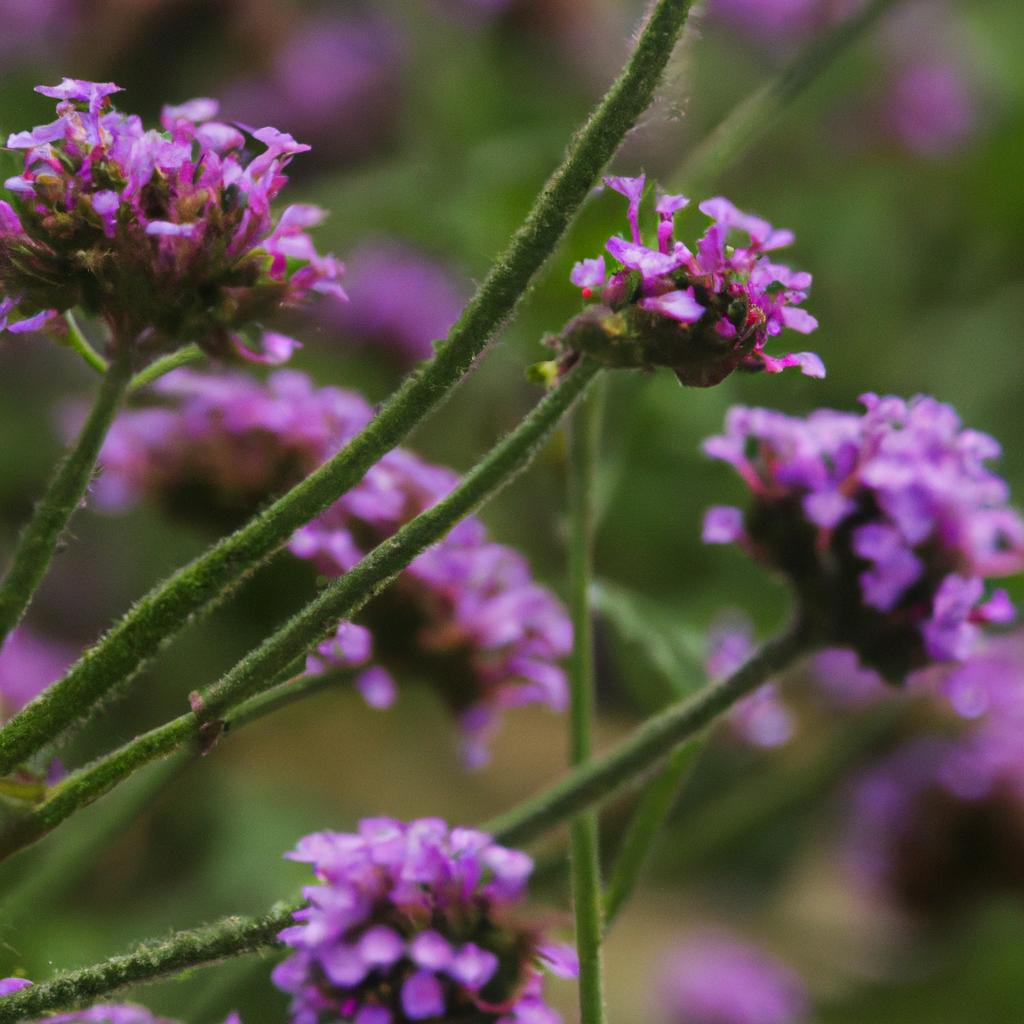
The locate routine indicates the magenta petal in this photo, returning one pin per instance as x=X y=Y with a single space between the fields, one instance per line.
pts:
x=677 y=305
x=422 y=996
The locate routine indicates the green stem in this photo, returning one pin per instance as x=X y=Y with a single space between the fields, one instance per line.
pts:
x=199 y=947
x=754 y=116
x=80 y=344
x=150 y=624
x=649 y=744
x=339 y=600
x=644 y=828
x=39 y=539
x=584 y=838
x=159 y=367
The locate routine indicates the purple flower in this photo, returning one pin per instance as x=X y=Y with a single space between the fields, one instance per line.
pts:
x=10 y=985
x=704 y=314
x=761 y=719
x=939 y=820
x=166 y=235
x=401 y=301
x=414 y=922
x=887 y=524
x=28 y=664
x=112 y=1013
x=475 y=622
x=715 y=978
x=337 y=79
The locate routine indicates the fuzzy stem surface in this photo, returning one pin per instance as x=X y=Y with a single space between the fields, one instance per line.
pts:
x=39 y=539
x=339 y=600
x=648 y=745
x=584 y=838
x=133 y=641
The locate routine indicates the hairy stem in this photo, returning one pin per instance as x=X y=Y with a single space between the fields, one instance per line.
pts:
x=78 y=342
x=585 y=787
x=584 y=839
x=199 y=947
x=339 y=600
x=649 y=744
x=64 y=493
x=118 y=656
x=156 y=369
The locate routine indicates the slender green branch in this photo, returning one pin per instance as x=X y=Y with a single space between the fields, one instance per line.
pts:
x=647 y=746
x=584 y=838
x=199 y=947
x=755 y=115
x=644 y=827
x=159 y=367
x=339 y=600
x=80 y=343
x=137 y=637
x=40 y=537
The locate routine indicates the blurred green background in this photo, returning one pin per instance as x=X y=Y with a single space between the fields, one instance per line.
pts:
x=919 y=286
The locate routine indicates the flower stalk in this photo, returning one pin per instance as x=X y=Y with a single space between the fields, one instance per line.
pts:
x=585 y=850
x=341 y=599
x=161 y=614
x=39 y=539
x=649 y=744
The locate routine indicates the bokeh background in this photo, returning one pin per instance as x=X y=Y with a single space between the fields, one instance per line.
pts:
x=433 y=124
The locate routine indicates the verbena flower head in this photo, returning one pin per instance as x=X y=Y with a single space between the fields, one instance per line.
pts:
x=466 y=615
x=28 y=664
x=940 y=821
x=402 y=301
x=104 y=1013
x=703 y=313
x=716 y=978
x=887 y=524
x=167 y=235
x=416 y=922
x=762 y=718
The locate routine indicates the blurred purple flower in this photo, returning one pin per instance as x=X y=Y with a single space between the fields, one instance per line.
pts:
x=167 y=235
x=8 y=986
x=715 y=978
x=887 y=524
x=28 y=664
x=337 y=79
x=761 y=719
x=34 y=29
x=401 y=301
x=941 y=819
x=466 y=614
x=413 y=921
x=703 y=314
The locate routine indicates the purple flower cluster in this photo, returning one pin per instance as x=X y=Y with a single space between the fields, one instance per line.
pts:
x=167 y=235
x=704 y=314
x=28 y=664
x=402 y=301
x=941 y=819
x=415 y=922
x=887 y=524
x=762 y=718
x=104 y=1013
x=336 y=79
x=466 y=614
x=716 y=978
x=928 y=97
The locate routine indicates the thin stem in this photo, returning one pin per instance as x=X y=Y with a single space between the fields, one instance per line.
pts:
x=199 y=947
x=160 y=615
x=159 y=367
x=644 y=827
x=80 y=344
x=755 y=115
x=64 y=494
x=649 y=744
x=339 y=600
x=584 y=839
